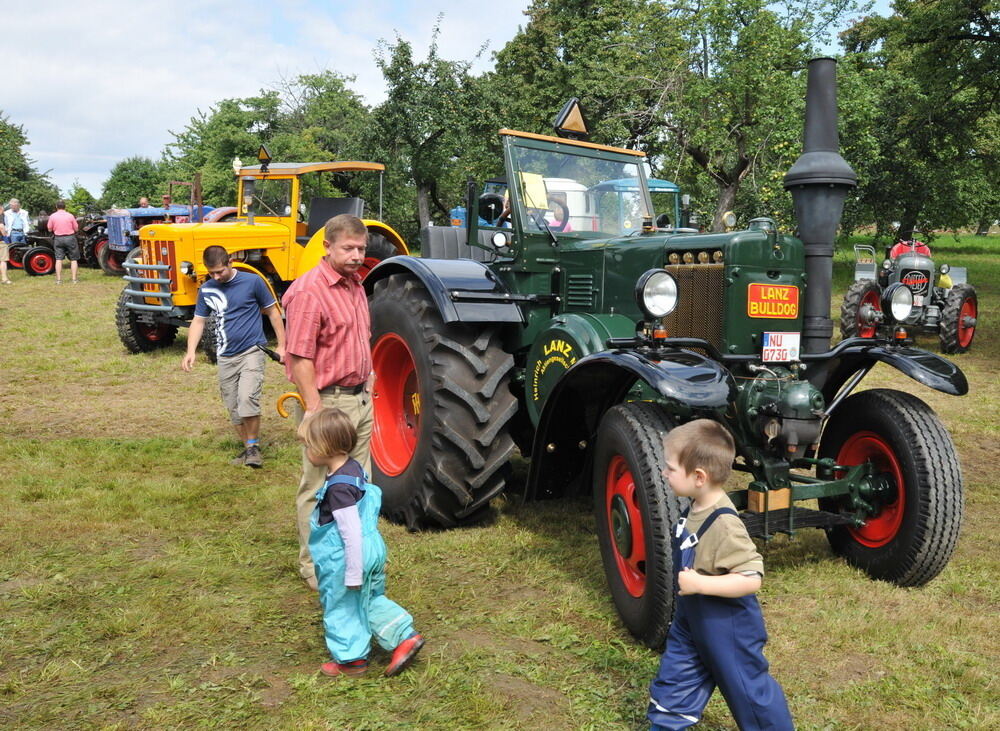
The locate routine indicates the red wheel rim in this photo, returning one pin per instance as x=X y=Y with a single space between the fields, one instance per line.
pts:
x=870 y=299
x=865 y=446
x=41 y=263
x=396 y=405
x=966 y=332
x=367 y=266
x=628 y=541
x=153 y=333
x=115 y=259
x=99 y=247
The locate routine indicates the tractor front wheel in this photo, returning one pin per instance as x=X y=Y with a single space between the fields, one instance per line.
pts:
x=111 y=261
x=39 y=261
x=913 y=530
x=958 y=319
x=862 y=301
x=140 y=337
x=442 y=403
x=635 y=511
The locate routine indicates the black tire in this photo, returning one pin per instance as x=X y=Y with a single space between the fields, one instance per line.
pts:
x=210 y=339
x=39 y=261
x=863 y=291
x=95 y=246
x=111 y=262
x=911 y=538
x=138 y=337
x=440 y=445
x=134 y=255
x=958 y=327
x=379 y=247
x=631 y=494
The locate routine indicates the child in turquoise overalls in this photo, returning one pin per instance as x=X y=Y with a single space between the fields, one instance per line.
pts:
x=349 y=555
x=717 y=635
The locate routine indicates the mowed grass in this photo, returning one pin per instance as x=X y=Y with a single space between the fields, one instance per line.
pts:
x=146 y=583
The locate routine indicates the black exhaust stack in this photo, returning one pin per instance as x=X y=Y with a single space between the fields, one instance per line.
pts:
x=819 y=181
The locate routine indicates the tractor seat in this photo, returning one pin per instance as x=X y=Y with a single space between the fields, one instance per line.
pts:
x=322 y=210
x=449 y=242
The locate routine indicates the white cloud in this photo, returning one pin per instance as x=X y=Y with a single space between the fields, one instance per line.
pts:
x=93 y=83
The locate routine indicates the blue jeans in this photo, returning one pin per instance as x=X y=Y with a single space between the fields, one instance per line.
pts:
x=16 y=237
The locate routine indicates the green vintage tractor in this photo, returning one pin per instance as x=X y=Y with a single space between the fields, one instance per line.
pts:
x=582 y=333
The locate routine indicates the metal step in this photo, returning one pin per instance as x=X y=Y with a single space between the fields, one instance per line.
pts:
x=777 y=521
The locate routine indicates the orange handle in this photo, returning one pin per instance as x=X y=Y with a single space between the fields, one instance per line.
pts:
x=282 y=411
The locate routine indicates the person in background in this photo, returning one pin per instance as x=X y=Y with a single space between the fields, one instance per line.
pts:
x=4 y=254
x=16 y=223
x=144 y=202
x=64 y=226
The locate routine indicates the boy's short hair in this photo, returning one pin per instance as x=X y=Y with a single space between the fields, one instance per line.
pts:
x=344 y=225
x=702 y=444
x=329 y=432
x=215 y=256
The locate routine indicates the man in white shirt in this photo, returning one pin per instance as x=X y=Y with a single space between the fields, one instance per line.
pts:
x=16 y=223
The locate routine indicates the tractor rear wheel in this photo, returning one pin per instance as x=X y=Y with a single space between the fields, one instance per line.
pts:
x=139 y=337
x=913 y=533
x=635 y=511
x=442 y=403
x=39 y=261
x=861 y=296
x=958 y=319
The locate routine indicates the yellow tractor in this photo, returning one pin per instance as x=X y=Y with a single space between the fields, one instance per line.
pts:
x=277 y=235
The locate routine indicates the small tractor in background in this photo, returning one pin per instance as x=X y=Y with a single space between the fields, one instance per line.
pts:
x=277 y=237
x=583 y=347
x=948 y=307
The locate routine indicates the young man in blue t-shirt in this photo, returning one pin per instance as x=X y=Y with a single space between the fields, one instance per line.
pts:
x=237 y=299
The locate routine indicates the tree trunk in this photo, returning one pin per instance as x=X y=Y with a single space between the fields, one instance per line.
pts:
x=727 y=198
x=423 y=204
x=907 y=223
x=983 y=229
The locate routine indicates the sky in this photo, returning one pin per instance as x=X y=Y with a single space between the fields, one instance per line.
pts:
x=95 y=81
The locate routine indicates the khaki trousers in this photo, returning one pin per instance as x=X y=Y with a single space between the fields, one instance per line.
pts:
x=359 y=410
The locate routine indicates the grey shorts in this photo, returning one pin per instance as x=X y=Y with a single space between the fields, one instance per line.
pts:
x=241 y=380
x=66 y=247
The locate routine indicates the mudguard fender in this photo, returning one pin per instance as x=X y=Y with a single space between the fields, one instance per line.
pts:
x=849 y=356
x=688 y=383
x=463 y=290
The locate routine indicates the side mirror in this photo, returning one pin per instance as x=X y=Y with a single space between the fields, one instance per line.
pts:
x=490 y=207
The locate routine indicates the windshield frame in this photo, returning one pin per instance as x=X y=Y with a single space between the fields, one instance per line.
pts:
x=523 y=218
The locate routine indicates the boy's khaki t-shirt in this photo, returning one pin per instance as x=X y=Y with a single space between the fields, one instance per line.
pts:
x=726 y=547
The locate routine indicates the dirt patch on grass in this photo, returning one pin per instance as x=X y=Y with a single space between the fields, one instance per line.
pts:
x=475 y=639
x=532 y=706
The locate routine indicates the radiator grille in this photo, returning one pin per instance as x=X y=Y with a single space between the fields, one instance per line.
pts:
x=159 y=252
x=580 y=290
x=699 y=312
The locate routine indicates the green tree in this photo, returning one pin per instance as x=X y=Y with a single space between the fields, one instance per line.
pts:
x=80 y=201
x=420 y=130
x=129 y=180
x=18 y=176
x=938 y=85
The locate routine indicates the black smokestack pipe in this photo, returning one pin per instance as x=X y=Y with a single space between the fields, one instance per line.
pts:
x=819 y=181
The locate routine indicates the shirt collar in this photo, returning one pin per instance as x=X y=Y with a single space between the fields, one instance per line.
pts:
x=333 y=277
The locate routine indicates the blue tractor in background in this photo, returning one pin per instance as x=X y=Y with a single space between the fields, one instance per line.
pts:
x=123 y=226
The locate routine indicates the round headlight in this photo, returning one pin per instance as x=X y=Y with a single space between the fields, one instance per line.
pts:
x=187 y=268
x=897 y=301
x=945 y=268
x=656 y=293
x=499 y=239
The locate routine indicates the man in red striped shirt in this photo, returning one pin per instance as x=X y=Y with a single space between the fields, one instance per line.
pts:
x=328 y=354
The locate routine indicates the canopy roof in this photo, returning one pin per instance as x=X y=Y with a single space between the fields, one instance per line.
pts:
x=300 y=168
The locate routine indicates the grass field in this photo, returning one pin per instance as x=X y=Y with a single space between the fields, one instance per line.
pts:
x=146 y=583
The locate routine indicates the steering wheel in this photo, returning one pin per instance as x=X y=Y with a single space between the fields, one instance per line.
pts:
x=562 y=221
x=663 y=221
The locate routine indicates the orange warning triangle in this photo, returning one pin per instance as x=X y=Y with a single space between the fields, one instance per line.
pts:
x=571 y=122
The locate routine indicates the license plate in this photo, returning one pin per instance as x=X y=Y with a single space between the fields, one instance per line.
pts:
x=780 y=347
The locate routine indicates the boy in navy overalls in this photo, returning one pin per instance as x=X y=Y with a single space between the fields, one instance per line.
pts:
x=717 y=636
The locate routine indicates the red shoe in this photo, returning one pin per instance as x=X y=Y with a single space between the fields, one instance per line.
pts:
x=404 y=654
x=351 y=669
